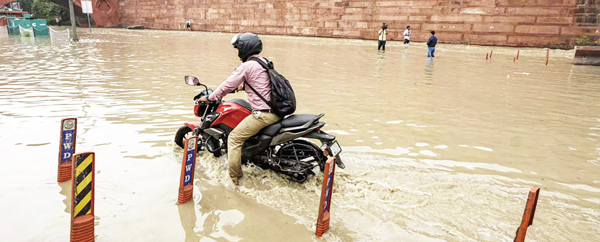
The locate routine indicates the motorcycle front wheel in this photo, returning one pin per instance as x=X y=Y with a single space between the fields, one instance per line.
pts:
x=212 y=144
x=183 y=133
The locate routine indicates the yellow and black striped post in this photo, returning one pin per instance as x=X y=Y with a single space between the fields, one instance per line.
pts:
x=82 y=197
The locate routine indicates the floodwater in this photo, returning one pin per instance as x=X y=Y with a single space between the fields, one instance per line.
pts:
x=442 y=149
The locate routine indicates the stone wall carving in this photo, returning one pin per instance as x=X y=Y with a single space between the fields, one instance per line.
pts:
x=106 y=12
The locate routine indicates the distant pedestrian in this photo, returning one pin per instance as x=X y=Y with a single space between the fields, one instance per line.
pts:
x=188 y=25
x=431 y=44
x=382 y=36
x=57 y=21
x=407 y=35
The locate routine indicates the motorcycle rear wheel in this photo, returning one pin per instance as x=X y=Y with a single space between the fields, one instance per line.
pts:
x=300 y=150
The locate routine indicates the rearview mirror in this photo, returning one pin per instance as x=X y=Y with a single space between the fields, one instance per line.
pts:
x=192 y=81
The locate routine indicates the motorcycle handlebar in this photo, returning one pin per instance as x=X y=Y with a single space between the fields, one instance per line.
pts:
x=199 y=95
x=208 y=101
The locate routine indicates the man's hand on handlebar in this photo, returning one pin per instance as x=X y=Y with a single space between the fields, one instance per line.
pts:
x=203 y=99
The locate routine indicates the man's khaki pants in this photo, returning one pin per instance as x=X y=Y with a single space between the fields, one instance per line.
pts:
x=246 y=129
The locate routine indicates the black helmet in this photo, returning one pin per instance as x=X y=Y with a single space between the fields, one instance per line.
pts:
x=247 y=44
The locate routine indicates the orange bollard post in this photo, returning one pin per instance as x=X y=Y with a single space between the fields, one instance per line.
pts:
x=547 y=55
x=326 y=193
x=491 y=53
x=68 y=134
x=514 y=59
x=518 y=54
x=82 y=197
x=486 y=56
x=527 y=220
x=186 y=187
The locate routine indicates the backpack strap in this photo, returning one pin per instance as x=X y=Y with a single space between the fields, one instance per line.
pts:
x=264 y=65
x=267 y=66
x=261 y=97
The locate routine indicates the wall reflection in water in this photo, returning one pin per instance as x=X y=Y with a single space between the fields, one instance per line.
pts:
x=380 y=66
x=429 y=71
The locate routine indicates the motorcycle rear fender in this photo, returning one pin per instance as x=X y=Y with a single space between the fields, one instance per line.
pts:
x=339 y=162
x=193 y=124
x=287 y=136
x=325 y=138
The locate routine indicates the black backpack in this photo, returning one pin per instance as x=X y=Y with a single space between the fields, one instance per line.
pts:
x=283 y=100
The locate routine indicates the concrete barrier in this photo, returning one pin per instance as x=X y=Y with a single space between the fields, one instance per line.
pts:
x=587 y=55
x=3 y=32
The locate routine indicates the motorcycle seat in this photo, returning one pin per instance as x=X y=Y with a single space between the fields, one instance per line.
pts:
x=289 y=121
x=271 y=130
x=297 y=120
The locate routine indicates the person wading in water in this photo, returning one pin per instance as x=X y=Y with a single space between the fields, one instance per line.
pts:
x=431 y=45
x=407 y=35
x=382 y=36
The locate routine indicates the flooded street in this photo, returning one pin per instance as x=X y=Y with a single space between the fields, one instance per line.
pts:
x=435 y=150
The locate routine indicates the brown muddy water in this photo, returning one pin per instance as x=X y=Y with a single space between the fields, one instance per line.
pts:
x=436 y=150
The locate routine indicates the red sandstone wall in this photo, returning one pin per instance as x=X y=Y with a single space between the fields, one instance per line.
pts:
x=4 y=2
x=486 y=22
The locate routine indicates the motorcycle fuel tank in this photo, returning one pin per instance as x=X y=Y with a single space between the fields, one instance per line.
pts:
x=231 y=114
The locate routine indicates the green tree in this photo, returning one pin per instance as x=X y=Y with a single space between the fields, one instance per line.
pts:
x=48 y=10
x=44 y=9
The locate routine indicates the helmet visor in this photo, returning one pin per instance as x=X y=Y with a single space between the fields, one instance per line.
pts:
x=235 y=39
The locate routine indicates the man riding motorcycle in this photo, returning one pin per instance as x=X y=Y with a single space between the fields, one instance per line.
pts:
x=250 y=72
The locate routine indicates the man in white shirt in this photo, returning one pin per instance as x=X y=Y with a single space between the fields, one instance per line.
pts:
x=382 y=36
x=407 y=35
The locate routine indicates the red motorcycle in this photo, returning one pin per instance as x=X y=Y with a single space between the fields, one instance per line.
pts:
x=283 y=146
